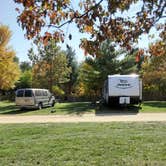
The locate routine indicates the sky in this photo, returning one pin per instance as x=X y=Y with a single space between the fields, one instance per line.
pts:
x=8 y=16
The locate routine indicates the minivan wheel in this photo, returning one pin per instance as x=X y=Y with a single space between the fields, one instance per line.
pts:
x=22 y=109
x=53 y=103
x=40 y=106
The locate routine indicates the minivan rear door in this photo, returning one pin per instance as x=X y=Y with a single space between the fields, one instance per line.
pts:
x=25 y=97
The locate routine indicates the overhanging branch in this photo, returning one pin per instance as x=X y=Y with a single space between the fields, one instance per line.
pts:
x=76 y=17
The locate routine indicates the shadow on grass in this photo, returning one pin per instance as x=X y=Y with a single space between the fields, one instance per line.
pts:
x=117 y=110
x=80 y=108
x=11 y=109
x=77 y=108
x=159 y=104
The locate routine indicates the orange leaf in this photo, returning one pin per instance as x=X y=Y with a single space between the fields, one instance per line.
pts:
x=88 y=29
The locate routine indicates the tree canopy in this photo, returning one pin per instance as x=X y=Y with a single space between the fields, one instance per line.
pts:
x=102 y=19
x=49 y=66
x=73 y=65
x=9 y=70
x=94 y=71
x=154 y=69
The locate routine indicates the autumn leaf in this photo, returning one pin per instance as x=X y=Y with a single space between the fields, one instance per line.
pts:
x=88 y=29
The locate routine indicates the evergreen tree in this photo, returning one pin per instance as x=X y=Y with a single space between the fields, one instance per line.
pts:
x=72 y=63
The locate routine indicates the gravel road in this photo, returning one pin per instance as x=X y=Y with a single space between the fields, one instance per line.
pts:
x=114 y=117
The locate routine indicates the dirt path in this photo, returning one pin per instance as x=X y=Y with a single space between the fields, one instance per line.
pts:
x=83 y=118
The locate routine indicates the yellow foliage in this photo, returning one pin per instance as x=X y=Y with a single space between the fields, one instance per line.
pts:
x=80 y=89
x=48 y=73
x=5 y=35
x=9 y=70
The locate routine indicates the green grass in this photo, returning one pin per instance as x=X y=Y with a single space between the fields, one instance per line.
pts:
x=154 y=106
x=79 y=108
x=86 y=144
x=146 y=107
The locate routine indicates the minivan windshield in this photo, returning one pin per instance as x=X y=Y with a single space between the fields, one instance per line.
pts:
x=28 y=93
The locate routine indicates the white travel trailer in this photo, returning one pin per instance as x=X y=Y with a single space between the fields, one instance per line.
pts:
x=122 y=89
x=34 y=98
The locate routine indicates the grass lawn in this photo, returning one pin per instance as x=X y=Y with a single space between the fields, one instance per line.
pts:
x=147 y=106
x=154 y=106
x=79 y=108
x=86 y=144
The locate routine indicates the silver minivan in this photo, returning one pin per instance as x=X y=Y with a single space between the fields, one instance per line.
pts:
x=34 y=98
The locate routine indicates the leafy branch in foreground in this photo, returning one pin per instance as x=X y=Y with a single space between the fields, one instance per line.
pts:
x=101 y=19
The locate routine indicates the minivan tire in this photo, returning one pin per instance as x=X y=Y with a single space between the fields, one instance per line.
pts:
x=53 y=103
x=40 y=106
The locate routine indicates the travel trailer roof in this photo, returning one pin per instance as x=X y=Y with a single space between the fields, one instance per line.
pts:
x=118 y=75
x=31 y=89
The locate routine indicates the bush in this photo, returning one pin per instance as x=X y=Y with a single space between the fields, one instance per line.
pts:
x=58 y=91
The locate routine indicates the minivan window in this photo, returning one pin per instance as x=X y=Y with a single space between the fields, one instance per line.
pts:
x=48 y=93
x=44 y=93
x=20 y=93
x=38 y=93
x=28 y=93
